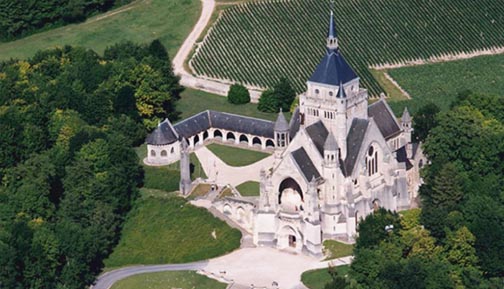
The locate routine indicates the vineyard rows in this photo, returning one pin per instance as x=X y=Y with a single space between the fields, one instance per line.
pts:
x=259 y=42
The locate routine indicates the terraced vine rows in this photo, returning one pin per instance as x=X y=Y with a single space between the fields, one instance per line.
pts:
x=258 y=42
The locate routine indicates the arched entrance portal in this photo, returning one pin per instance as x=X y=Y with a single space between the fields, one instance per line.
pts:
x=290 y=197
x=292 y=241
x=288 y=237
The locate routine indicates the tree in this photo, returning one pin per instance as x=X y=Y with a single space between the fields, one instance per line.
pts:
x=284 y=94
x=238 y=94
x=372 y=229
x=424 y=120
x=268 y=102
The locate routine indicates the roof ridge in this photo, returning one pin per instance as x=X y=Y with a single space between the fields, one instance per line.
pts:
x=239 y=115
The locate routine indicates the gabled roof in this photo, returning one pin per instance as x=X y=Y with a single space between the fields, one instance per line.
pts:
x=243 y=124
x=333 y=69
x=164 y=134
x=354 y=142
x=384 y=118
x=318 y=134
x=305 y=164
x=193 y=125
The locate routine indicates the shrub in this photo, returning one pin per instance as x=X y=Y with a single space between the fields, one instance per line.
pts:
x=238 y=94
x=268 y=102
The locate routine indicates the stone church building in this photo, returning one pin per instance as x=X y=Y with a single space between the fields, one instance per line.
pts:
x=337 y=160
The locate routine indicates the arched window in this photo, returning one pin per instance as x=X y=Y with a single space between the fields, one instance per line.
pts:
x=152 y=153
x=172 y=150
x=164 y=153
x=217 y=133
x=372 y=161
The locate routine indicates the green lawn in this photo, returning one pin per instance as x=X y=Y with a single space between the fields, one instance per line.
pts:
x=142 y=21
x=195 y=101
x=167 y=280
x=440 y=82
x=167 y=178
x=161 y=230
x=335 y=249
x=236 y=157
x=317 y=279
x=248 y=189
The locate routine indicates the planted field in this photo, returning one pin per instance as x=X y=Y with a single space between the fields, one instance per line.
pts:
x=161 y=230
x=441 y=82
x=164 y=280
x=258 y=42
x=142 y=21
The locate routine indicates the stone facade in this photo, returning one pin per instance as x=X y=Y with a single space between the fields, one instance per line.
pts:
x=336 y=161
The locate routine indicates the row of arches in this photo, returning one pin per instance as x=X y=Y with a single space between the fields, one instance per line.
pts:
x=232 y=137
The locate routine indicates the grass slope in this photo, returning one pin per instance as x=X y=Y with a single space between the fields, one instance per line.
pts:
x=248 y=189
x=440 y=82
x=335 y=249
x=165 y=280
x=142 y=21
x=195 y=101
x=236 y=157
x=317 y=279
x=170 y=230
x=249 y=42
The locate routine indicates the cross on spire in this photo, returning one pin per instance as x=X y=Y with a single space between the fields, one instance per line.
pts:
x=332 y=35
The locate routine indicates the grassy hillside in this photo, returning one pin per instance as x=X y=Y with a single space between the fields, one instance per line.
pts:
x=142 y=21
x=164 y=280
x=161 y=230
x=440 y=82
x=259 y=42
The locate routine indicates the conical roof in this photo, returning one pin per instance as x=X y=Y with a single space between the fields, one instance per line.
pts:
x=163 y=134
x=332 y=33
x=281 y=123
x=330 y=143
x=406 y=117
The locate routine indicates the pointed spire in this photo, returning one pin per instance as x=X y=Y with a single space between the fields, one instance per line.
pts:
x=341 y=92
x=332 y=34
x=330 y=143
x=281 y=123
x=406 y=117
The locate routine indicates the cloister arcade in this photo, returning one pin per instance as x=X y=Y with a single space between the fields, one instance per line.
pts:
x=231 y=137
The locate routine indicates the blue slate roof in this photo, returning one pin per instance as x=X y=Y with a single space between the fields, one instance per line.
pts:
x=305 y=164
x=333 y=69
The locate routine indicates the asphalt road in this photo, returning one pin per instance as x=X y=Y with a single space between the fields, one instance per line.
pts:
x=106 y=280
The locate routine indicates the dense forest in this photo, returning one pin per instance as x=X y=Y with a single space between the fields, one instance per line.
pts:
x=69 y=175
x=456 y=239
x=19 y=18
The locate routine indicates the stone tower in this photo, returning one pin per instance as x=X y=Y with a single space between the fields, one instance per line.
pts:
x=334 y=95
x=282 y=137
x=406 y=126
x=185 y=170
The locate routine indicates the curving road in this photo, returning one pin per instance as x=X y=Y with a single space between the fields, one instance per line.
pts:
x=106 y=280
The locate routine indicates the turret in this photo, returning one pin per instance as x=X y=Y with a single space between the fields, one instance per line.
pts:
x=341 y=120
x=407 y=128
x=281 y=130
x=331 y=151
x=312 y=209
x=332 y=36
x=185 y=172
